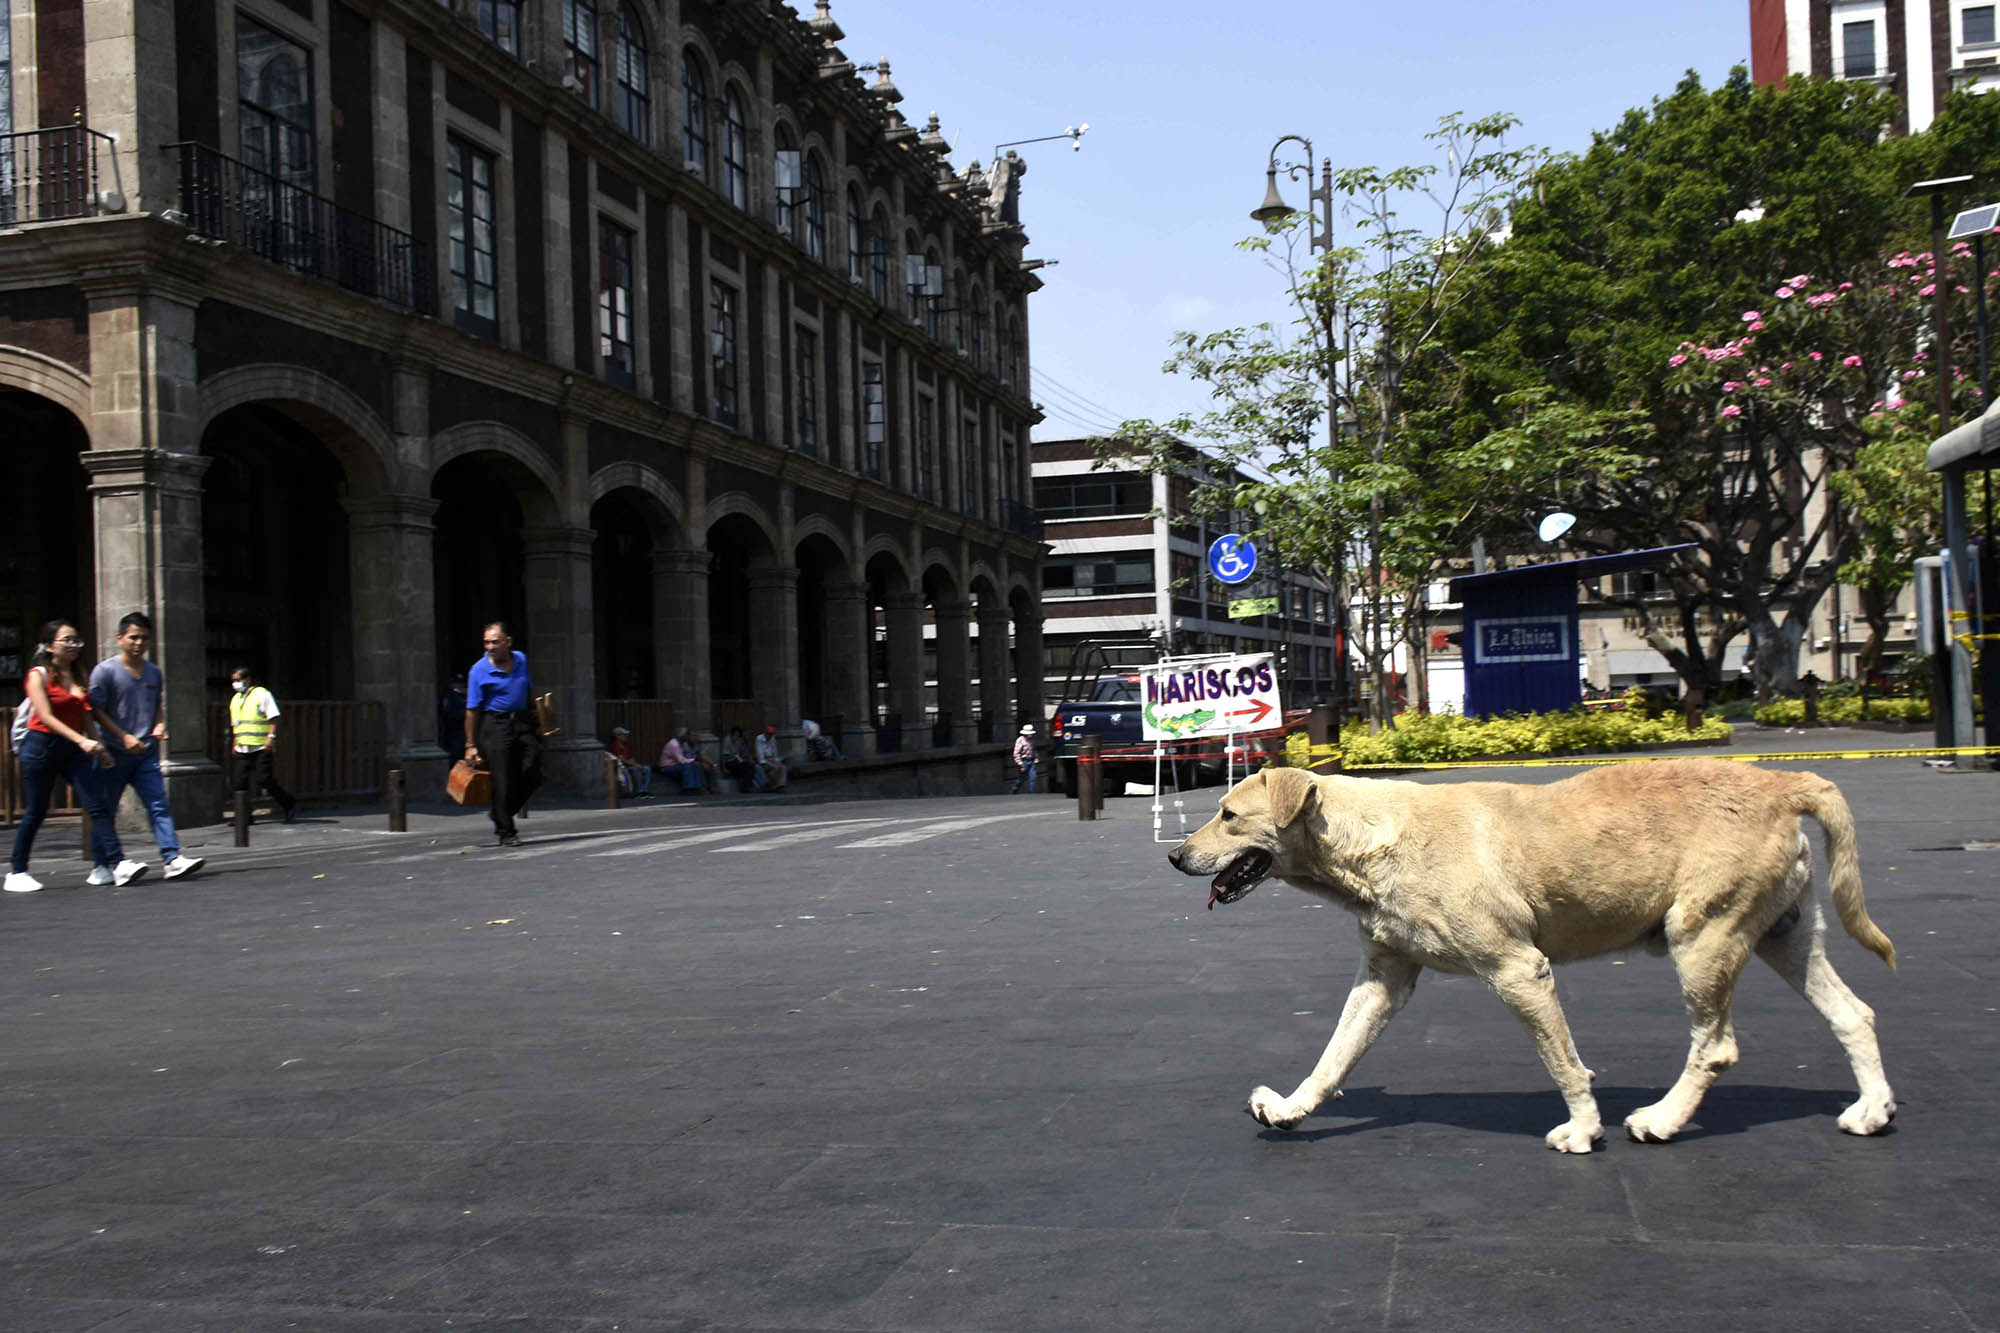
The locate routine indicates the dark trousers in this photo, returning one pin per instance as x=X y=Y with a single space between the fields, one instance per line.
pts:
x=47 y=759
x=252 y=772
x=511 y=745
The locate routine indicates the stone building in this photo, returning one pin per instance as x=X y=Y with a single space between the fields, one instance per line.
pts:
x=332 y=329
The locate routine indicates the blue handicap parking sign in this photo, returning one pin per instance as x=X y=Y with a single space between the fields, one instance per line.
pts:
x=1231 y=558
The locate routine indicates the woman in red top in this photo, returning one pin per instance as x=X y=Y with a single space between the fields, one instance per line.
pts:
x=62 y=743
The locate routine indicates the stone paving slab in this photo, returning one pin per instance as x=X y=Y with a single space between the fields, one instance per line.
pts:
x=990 y=1078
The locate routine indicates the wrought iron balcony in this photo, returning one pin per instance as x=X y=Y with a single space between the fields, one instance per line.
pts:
x=50 y=174
x=286 y=224
x=1024 y=519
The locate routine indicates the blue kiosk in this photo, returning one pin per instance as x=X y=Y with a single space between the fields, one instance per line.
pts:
x=1520 y=642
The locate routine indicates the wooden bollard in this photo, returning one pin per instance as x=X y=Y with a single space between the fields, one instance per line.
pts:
x=242 y=819
x=610 y=781
x=1089 y=777
x=399 y=802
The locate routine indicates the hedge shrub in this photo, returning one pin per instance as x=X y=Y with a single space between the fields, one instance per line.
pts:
x=1442 y=737
x=1792 y=712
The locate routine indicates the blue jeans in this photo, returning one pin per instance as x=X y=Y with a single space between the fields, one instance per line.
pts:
x=1026 y=775
x=45 y=759
x=141 y=772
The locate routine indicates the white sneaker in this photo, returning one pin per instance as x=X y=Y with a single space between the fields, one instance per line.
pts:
x=184 y=865
x=127 y=872
x=20 y=881
x=99 y=876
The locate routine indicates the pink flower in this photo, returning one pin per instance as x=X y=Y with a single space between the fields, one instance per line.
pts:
x=1786 y=366
x=1675 y=359
x=1731 y=386
x=1750 y=316
x=1786 y=293
x=1927 y=289
x=1847 y=360
x=1758 y=327
x=1909 y=375
x=1761 y=383
x=1846 y=286
x=1813 y=355
x=1732 y=411
x=1799 y=281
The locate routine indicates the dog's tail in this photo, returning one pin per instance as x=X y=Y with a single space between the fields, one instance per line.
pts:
x=1822 y=800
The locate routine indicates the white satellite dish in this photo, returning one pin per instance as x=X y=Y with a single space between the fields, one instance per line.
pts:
x=1555 y=525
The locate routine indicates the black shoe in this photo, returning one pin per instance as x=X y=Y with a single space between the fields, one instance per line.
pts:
x=510 y=840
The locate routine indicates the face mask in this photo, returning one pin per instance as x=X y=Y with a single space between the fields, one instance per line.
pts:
x=236 y=685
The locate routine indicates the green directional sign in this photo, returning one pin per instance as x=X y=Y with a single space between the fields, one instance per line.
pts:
x=1244 y=608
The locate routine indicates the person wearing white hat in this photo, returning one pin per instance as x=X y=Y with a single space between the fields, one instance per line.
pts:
x=1024 y=759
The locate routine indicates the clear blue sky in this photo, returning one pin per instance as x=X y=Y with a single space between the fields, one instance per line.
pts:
x=1183 y=102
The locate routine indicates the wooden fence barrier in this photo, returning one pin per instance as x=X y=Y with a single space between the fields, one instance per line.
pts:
x=651 y=722
x=328 y=749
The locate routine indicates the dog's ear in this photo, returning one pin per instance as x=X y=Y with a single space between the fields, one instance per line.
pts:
x=1289 y=789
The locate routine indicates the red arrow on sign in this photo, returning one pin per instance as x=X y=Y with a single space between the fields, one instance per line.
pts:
x=1258 y=711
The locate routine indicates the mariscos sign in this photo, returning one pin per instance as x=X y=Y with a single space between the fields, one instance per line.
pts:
x=1212 y=698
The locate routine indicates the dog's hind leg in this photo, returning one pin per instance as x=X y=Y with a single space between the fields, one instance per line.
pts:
x=1381 y=987
x=1527 y=984
x=1709 y=959
x=1799 y=956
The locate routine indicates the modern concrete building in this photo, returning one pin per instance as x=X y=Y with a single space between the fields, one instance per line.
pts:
x=1128 y=566
x=332 y=329
x=1918 y=51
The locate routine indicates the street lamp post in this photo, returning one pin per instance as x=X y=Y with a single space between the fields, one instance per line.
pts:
x=1940 y=298
x=1271 y=214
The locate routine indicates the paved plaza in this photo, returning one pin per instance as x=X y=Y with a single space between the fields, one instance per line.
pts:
x=950 y=1064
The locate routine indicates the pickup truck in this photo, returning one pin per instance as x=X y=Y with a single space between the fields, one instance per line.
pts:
x=1112 y=714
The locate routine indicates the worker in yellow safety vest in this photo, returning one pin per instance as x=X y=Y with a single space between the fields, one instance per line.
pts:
x=253 y=726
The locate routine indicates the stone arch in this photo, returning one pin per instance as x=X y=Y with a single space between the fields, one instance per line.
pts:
x=818 y=525
x=886 y=545
x=730 y=503
x=933 y=558
x=639 y=477
x=981 y=576
x=48 y=378
x=341 y=419
x=494 y=437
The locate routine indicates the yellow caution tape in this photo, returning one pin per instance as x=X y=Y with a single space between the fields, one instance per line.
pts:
x=1930 y=752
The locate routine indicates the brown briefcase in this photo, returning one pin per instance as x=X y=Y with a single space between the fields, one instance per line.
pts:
x=468 y=785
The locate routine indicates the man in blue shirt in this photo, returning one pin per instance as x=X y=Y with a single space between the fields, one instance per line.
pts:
x=501 y=730
x=125 y=693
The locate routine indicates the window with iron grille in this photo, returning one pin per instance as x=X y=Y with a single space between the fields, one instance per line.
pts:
x=815 y=209
x=857 y=236
x=1857 y=49
x=470 y=225
x=975 y=316
x=874 y=418
x=694 y=116
x=500 y=21
x=579 y=25
x=926 y=446
x=785 y=191
x=722 y=349
x=735 y=149
x=614 y=301
x=274 y=106
x=968 y=465
x=635 y=98
x=808 y=391
x=878 y=257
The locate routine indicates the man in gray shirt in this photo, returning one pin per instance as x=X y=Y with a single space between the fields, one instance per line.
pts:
x=125 y=693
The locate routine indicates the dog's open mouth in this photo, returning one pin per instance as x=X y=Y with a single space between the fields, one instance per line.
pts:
x=1239 y=877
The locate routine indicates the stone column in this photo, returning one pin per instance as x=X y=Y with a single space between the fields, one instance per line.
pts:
x=147 y=548
x=1029 y=705
x=562 y=657
x=904 y=612
x=395 y=651
x=774 y=667
x=847 y=665
x=129 y=82
x=680 y=636
x=953 y=621
x=995 y=673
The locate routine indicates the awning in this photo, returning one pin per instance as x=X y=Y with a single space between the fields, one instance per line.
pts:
x=1974 y=444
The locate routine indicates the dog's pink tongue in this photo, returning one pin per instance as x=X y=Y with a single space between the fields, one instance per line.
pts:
x=1214 y=893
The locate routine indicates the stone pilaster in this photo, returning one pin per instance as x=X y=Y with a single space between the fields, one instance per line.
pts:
x=904 y=612
x=994 y=673
x=146 y=505
x=1029 y=706
x=562 y=657
x=680 y=636
x=953 y=626
x=774 y=669
x=395 y=657
x=847 y=665
x=129 y=92
x=143 y=388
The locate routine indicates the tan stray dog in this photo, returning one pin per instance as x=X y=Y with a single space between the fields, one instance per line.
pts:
x=1700 y=858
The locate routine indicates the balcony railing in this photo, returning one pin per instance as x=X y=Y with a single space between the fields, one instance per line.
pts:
x=1024 y=519
x=50 y=174
x=309 y=233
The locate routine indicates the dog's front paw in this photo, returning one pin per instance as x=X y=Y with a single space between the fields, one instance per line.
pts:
x=1574 y=1136
x=1650 y=1124
x=1868 y=1116
x=1268 y=1108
